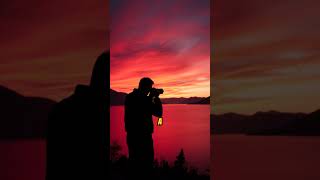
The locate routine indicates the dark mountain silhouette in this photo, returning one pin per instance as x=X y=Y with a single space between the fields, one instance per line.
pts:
x=27 y=117
x=117 y=98
x=267 y=123
x=310 y=125
x=204 y=101
x=182 y=100
x=22 y=117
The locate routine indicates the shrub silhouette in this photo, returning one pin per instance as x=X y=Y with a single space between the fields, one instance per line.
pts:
x=161 y=170
x=115 y=150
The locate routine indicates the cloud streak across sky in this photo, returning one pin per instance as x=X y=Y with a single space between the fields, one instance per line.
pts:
x=265 y=56
x=47 y=47
x=168 y=41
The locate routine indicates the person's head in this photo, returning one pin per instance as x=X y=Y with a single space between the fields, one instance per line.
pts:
x=100 y=73
x=145 y=84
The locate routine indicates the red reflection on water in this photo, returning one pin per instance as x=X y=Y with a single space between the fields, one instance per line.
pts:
x=244 y=157
x=22 y=160
x=185 y=126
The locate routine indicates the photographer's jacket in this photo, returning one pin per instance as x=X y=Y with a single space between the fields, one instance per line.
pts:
x=77 y=140
x=139 y=109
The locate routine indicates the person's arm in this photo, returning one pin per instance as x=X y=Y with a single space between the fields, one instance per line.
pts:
x=156 y=107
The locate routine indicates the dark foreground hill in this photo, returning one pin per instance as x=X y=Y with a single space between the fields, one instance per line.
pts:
x=22 y=116
x=267 y=123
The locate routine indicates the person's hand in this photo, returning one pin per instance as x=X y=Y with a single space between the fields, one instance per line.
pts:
x=160 y=121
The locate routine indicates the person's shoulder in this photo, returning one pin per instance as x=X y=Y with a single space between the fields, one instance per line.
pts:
x=63 y=104
x=132 y=93
x=79 y=94
x=131 y=96
x=128 y=97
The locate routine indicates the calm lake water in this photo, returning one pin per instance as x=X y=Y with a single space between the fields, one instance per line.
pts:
x=22 y=159
x=232 y=156
x=185 y=126
x=264 y=157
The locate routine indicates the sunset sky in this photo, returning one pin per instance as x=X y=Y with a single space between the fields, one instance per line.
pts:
x=47 y=47
x=168 y=41
x=265 y=56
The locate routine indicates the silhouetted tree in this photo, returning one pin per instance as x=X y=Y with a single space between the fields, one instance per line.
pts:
x=193 y=172
x=156 y=164
x=115 y=149
x=180 y=165
x=165 y=165
x=162 y=170
x=180 y=161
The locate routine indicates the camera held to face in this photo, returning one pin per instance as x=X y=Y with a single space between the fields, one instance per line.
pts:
x=156 y=92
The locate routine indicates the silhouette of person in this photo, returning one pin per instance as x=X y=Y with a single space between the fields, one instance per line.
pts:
x=140 y=105
x=78 y=132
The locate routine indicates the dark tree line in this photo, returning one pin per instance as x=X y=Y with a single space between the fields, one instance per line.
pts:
x=161 y=170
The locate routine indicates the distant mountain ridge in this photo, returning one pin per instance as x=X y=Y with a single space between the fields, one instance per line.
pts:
x=117 y=98
x=267 y=123
x=27 y=117
x=183 y=100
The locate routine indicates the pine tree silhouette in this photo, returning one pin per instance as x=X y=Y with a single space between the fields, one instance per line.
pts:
x=180 y=161
x=115 y=150
x=180 y=167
